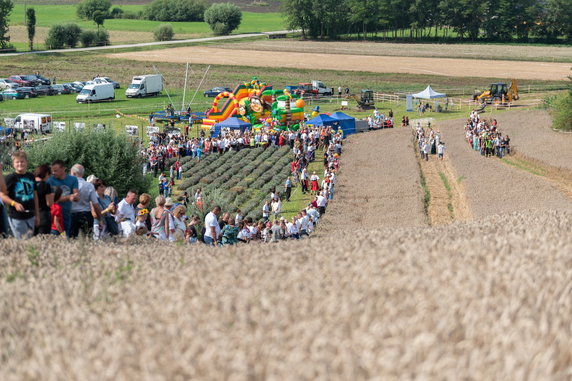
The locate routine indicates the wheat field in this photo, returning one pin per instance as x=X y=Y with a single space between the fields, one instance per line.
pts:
x=376 y=293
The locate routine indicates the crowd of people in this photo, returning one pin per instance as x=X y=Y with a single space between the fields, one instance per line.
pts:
x=429 y=142
x=52 y=201
x=483 y=136
x=380 y=120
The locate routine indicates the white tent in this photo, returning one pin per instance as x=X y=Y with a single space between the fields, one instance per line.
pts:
x=429 y=93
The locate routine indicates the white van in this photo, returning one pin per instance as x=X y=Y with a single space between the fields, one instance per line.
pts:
x=145 y=85
x=321 y=89
x=97 y=92
x=35 y=123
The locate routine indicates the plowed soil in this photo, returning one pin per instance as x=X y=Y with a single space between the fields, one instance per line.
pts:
x=350 y=62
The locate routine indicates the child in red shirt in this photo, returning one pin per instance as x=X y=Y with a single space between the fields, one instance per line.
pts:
x=57 y=216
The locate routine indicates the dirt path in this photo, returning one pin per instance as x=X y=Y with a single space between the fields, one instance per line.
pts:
x=378 y=185
x=351 y=62
x=532 y=135
x=493 y=187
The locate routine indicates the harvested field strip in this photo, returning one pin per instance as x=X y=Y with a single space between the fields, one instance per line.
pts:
x=378 y=185
x=560 y=178
x=378 y=64
x=445 y=200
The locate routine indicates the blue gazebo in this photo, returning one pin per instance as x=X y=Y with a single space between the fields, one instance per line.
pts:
x=347 y=123
x=232 y=123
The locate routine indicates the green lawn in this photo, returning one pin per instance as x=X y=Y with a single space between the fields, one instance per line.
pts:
x=48 y=15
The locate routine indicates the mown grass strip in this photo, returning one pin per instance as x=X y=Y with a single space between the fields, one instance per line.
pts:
x=523 y=165
x=445 y=181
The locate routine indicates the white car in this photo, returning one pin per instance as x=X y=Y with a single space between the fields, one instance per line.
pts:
x=8 y=84
x=106 y=80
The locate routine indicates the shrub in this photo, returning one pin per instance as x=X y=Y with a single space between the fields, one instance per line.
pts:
x=88 y=38
x=223 y=18
x=110 y=156
x=562 y=113
x=86 y=9
x=56 y=37
x=128 y=15
x=102 y=37
x=63 y=35
x=117 y=13
x=175 y=10
x=164 y=32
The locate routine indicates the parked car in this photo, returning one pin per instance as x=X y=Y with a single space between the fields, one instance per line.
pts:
x=216 y=91
x=43 y=79
x=34 y=79
x=7 y=84
x=28 y=92
x=106 y=80
x=61 y=89
x=19 y=79
x=13 y=94
x=43 y=90
x=77 y=85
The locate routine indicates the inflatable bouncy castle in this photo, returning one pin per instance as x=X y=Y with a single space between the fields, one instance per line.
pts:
x=257 y=103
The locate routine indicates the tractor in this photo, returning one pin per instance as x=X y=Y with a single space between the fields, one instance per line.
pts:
x=498 y=93
x=365 y=101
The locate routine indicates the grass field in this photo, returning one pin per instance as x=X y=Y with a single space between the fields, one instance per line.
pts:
x=49 y=15
x=84 y=66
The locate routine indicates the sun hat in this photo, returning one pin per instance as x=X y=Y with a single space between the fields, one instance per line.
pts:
x=91 y=178
x=169 y=201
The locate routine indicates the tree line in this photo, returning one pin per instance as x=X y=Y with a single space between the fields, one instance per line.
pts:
x=488 y=20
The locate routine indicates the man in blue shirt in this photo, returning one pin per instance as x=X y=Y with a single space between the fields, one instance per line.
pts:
x=70 y=191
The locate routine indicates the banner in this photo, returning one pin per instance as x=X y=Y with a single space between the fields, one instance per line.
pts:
x=409 y=103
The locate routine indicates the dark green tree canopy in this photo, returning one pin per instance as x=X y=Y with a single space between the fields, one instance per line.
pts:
x=31 y=25
x=86 y=9
x=223 y=18
x=5 y=9
x=175 y=10
x=492 y=20
x=110 y=156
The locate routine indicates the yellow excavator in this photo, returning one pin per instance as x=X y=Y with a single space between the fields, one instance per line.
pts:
x=499 y=93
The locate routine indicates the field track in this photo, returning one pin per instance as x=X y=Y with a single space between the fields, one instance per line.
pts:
x=376 y=64
x=494 y=187
x=378 y=185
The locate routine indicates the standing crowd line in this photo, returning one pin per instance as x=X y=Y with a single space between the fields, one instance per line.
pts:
x=429 y=142
x=54 y=202
x=484 y=136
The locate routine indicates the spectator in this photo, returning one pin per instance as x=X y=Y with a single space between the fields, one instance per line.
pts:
x=81 y=217
x=125 y=216
x=106 y=226
x=160 y=220
x=229 y=234
x=212 y=228
x=58 y=227
x=45 y=198
x=21 y=196
x=70 y=191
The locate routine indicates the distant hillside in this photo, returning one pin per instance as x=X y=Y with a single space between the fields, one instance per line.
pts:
x=261 y=6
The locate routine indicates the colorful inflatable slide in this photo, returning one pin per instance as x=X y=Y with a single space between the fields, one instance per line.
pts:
x=258 y=104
